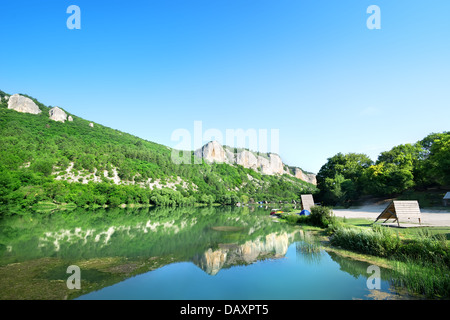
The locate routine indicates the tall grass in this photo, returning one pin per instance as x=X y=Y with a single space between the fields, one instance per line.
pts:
x=309 y=248
x=296 y=219
x=426 y=247
x=376 y=241
x=429 y=279
x=422 y=264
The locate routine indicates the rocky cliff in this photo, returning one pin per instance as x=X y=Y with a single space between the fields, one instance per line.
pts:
x=308 y=177
x=267 y=163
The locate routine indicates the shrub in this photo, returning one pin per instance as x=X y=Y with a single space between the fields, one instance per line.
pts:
x=296 y=219
x=321 y=216
x=44 y=166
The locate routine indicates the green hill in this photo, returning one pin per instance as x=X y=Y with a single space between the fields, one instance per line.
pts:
x=42 y=160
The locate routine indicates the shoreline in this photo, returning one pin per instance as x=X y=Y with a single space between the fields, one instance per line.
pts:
x=430 y=217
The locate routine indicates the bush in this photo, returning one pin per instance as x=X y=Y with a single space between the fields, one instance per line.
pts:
x=296 y=219
x=321 y=216
x=378 y=241
x=44 y=166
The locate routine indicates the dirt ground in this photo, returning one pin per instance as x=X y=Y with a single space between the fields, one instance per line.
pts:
x=430 y=217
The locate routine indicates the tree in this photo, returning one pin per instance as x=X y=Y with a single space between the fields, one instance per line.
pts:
x=339 y=179
x=44 y=166
x=394 y=170
x=438 y=162
x=386 y=179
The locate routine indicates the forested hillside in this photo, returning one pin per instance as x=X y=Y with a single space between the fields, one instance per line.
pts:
x=73 y=162
x=420 y=166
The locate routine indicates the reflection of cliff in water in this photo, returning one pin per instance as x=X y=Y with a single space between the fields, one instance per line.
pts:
x=274 y=245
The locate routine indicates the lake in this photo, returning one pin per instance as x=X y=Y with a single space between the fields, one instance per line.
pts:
x=187 y=253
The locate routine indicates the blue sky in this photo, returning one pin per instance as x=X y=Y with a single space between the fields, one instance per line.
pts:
x=311 y=69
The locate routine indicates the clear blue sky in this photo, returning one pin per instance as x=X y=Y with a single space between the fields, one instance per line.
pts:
x=311 y=69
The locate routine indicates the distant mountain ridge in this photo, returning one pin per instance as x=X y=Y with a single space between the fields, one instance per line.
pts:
x=267 y=163
x=213 y=151
x=49 y=154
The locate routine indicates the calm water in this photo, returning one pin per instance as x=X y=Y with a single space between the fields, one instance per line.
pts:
x=181 y=253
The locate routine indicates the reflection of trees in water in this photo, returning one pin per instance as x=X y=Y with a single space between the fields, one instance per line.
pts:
x=308 y=248
x=357 y=268
x=147 y=232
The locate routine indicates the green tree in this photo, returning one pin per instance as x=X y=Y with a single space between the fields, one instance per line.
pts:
x=339 y=179
x=438 y=161
x=44 y=166
x=394 y=170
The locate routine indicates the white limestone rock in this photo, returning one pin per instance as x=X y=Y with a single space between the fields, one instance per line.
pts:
x=57 y=114
x=247 y=159
x=212 y=152
x=264 y=165
x=23 y=104
x=276 y=164
x=308 y=177
x=269 y=164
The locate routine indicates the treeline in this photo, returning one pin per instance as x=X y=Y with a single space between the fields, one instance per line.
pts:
x=35 y=149
x=345 y=178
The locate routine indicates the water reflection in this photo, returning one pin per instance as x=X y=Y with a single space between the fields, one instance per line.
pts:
x=309 y=248
x=111 y=246
x=274 y=245
x=184 y=232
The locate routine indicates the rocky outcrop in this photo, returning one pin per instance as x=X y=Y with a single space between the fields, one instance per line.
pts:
x=247 y=159
x=212 y=152
x=269 y=164
x=23 y=104
x=308 y=177
x=57 y=114
x=70 y=118
x=91 y=125
x=276 y=165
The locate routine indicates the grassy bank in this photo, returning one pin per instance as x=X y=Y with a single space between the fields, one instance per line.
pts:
x=421 y=263
x=419 y=257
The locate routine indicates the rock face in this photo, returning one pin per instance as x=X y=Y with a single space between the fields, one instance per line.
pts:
x=308 y=177
x=269 y=164
x=70 y=118
x=91 y=125
x=57 y=114
x=212 y=152
x=23 y=104
x=247 y=159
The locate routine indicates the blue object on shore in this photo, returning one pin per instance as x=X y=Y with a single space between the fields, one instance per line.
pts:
x=304 y=213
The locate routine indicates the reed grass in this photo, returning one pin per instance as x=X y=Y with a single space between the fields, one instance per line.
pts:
x=421 y=264
x=431 y=280
x=377 y=241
